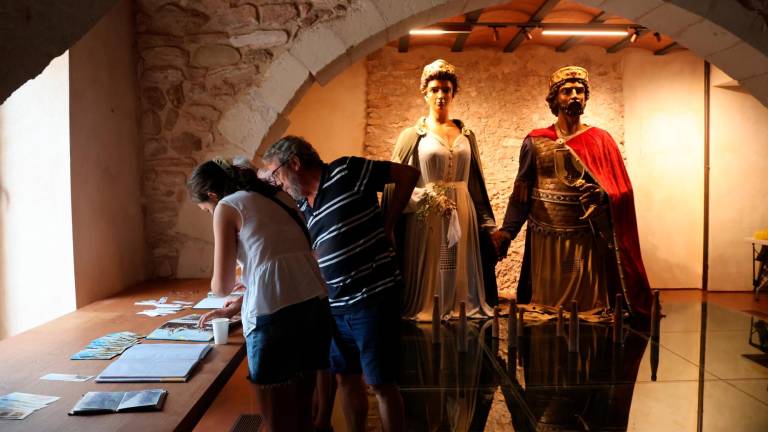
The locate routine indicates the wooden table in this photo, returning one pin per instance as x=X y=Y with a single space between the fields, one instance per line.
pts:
x=26 y=357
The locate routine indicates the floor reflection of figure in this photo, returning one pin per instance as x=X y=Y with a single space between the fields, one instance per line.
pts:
x=552 y=389
x=445 y=389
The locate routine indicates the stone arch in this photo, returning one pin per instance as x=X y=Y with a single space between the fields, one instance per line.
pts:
x=723 y=32
x=34 y=33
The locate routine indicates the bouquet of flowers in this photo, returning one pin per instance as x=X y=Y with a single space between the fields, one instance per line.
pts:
x=435 y=200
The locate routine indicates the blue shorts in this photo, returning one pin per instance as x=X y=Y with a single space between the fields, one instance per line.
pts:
x=289 y=343
x=367 y=341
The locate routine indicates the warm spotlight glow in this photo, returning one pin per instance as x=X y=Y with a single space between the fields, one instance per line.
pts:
x=566 y=32
x=423 y=32
x=528 y=34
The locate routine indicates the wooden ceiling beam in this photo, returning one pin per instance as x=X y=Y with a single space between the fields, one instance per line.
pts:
x=461 y=38
x=625 y=42
x=543 y=10
x=537 y=17
x=571 y=41
x=667 y=49
x=402 y=43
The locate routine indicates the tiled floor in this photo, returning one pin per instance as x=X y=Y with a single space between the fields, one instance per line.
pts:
x=640 y=386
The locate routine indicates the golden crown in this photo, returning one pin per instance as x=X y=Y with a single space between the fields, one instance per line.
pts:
x=568 y=72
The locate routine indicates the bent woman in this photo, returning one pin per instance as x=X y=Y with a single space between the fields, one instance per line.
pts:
x=285 y=312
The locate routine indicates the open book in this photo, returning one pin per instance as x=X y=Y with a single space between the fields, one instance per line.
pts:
x=186 y=329
x=109 y=402
x=155 y=363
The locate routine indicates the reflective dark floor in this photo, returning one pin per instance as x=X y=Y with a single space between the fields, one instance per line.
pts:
x=708 y=371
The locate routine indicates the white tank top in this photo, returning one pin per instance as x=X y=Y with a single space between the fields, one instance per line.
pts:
x=279 y=268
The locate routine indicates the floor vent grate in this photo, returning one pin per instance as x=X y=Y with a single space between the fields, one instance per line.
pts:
x=247 y=423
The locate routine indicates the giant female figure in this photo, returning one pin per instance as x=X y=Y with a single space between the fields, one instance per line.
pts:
x=449 y=217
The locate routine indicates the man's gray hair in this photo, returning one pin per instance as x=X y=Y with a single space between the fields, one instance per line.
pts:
x=290 y=146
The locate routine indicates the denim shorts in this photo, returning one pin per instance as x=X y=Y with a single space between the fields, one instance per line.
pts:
x=290 y=343
x=367 y=341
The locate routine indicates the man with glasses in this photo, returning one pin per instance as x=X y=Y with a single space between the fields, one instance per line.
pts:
x=353 y=242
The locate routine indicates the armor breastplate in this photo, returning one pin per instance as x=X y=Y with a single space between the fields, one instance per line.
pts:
x=555 y=205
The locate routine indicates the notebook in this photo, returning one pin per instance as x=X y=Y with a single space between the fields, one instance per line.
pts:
x=155 y=363
x=110 y=402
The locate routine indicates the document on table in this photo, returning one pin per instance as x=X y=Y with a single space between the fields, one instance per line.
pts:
x=17 y=405
x=155 y=363
x=213 y=302
x=65 y=377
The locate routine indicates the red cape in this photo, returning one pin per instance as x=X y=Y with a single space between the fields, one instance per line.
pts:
x=600 y=155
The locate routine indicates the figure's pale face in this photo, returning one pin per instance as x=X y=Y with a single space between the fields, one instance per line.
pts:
x=439 y=94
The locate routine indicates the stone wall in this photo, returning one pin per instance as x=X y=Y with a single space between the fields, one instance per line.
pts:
x=501 y=98
x=197 y=59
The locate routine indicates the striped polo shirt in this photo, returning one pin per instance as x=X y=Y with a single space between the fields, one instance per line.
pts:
x=347 y=229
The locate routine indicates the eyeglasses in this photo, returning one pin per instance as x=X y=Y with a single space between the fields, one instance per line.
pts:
x=273 y=175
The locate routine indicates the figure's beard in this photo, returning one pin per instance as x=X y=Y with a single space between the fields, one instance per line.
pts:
x=573 y=109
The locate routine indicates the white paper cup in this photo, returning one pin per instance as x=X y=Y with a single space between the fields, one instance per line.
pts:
x=220 y=330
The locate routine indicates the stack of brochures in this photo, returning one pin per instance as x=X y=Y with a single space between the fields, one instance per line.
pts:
x=112 y=402
x=186 y=329
x=162 y=308
x=155 y=363
x=106 y=347
x=17 y=406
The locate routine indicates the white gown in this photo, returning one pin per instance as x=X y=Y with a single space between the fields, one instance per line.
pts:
x=430 y=267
